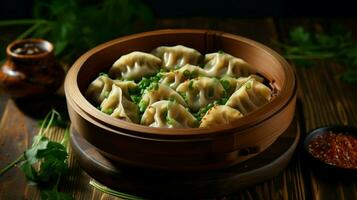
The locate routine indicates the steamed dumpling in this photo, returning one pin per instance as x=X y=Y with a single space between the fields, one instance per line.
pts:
x=201 y=91
x=231 y=84
x=177 y=56
x=220 y=115
x=223 y=64
x=168 y=114
x=174 y=78
x=100 y=88
x=134 y=66
x=118 y=106
x=252 y=95
x=161 y=92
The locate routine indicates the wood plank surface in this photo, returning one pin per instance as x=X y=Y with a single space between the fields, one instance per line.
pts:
x=324 y=100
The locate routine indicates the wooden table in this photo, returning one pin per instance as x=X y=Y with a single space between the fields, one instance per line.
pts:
x=323 y=100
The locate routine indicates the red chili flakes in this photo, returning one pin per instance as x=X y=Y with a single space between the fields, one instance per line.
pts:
x=339 y=149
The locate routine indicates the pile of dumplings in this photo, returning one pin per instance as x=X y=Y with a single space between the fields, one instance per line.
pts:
x=178 y=87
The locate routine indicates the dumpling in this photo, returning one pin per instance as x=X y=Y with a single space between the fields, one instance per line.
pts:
x=100 y=88
x=174 y=78
x=201 y=91
x=177 y=56
x=231 y=84
x=116 y=105
x=160 y=92
x=134 y=66
x=250 y=96
x=220 y=115
x=223 y=64
x=168 y=114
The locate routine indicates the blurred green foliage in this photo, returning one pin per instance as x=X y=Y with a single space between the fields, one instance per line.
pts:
x=74 y=26
x=304 y=47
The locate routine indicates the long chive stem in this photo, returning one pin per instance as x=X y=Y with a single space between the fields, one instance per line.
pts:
x=12 y=164
x=28 y=31
x=21 y=22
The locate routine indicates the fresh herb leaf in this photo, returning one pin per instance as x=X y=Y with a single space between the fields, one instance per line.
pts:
x=49 y=157
x=304 y=47
x=59 y=120
x=300 y=36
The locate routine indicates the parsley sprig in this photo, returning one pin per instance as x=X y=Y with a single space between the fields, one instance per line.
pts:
x=304 y=47
x=46 y=161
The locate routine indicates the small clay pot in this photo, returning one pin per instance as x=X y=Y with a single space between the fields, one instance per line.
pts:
x=31 y=72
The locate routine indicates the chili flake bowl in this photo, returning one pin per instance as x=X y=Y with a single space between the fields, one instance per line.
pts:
x=332 y=150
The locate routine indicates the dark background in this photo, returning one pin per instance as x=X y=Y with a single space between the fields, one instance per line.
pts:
x=14 y=9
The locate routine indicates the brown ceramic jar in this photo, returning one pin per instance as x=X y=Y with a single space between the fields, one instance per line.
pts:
x=30 y=69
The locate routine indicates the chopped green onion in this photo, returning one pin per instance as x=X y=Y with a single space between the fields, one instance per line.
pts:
x=108 y=111
x=143 y=105
x=135 y=98
x=248 y=85
x=169 y=120
x=184 y=96
x=194 y=74
x=106 y=94
x=225 y=84
x=190 y=85
x=187 y=73
x=103 y=74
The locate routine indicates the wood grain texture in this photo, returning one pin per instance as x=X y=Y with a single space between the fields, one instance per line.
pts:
x=324 y=100
x=170 y=185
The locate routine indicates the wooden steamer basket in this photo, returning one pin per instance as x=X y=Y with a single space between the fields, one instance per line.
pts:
x=182 y=149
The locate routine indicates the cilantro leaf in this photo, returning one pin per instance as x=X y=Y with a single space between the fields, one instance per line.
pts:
x=304 y=47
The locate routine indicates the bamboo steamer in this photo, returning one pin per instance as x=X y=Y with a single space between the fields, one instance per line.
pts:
x=182 y=149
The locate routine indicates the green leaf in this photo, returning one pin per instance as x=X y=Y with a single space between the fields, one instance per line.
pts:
x=300 y=36
x=60 y=120
x=40 y=142
x=304 y=47
x=30 y=172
